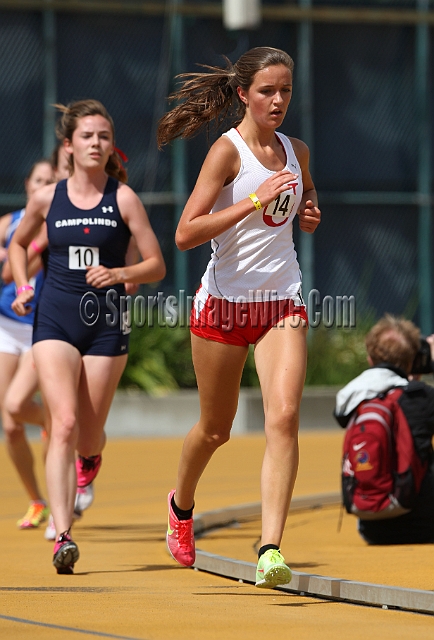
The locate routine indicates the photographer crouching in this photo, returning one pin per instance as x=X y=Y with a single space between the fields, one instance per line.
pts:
x=388 y=461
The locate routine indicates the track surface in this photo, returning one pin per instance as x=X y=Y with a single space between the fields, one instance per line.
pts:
x=127 y=586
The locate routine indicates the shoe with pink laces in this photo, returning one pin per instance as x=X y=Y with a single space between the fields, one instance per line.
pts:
x=66 y=554
x=180 y=537
x=87 y=469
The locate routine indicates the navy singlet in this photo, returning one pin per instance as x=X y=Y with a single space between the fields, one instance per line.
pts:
x=92 y=320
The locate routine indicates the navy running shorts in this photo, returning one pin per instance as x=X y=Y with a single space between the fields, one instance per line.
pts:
x=86 y=321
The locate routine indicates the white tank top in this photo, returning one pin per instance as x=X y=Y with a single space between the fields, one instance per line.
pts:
x=255 y=260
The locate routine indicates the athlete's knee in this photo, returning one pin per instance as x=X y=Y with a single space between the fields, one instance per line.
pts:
x=64 y=428
x=216 y=435
x=14 y=431
x=283 y=419
x=15 y=407
x=220 y=438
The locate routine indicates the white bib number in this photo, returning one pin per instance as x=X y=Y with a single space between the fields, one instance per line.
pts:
x=83 y=257
x=283 y=205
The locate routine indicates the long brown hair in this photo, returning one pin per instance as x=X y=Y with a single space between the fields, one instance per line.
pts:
x=212 y=96
x=67 y=124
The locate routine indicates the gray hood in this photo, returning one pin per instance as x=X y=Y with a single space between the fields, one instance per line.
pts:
x=366 y=386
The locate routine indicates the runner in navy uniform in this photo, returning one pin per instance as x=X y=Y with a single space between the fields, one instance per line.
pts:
x=85 y=489
x=80 y=239
x=80 y=340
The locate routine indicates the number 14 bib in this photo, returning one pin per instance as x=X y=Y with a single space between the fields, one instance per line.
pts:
x=283 y=205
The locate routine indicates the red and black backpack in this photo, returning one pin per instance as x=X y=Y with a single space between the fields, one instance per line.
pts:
x=381 y=470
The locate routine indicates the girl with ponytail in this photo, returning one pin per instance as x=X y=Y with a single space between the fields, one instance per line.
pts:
x=252 y=185
x=80 y=332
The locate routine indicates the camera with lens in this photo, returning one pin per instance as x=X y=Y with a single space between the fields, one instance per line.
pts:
x=422 y=362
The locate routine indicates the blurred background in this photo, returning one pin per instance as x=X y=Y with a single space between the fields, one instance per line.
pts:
x=362 y=101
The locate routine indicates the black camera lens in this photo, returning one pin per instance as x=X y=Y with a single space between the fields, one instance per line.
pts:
x=422 y=362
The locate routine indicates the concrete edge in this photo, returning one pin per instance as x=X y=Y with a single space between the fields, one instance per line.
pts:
x=224 y=517
x=306 y=584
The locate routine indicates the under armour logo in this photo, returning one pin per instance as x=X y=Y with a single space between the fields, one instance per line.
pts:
x=107 y=209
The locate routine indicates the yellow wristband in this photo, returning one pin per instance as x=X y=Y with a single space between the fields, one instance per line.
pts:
x=254 y=198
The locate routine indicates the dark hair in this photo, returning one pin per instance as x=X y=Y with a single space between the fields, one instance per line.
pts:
x=36 y=164
x=68 y=123
x=395 y=341
x=54 y=157
x=212 y=96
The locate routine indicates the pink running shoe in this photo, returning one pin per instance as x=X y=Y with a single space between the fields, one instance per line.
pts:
x=87 y=469
x=66 y=554
x=180 y=537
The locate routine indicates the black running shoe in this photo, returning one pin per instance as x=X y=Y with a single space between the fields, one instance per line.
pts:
x=66 y=554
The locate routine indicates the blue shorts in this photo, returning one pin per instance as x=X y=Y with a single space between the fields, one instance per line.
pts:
x=85 y=321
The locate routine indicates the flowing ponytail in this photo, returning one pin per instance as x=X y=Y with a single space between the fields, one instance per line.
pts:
x=203 y=97
x=212 y=97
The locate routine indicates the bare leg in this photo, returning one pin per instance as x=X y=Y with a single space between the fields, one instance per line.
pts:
x=59 y=368
x=21 y=455
x=98 y=383
x=218 y=369
x=77 y=408
x=19 y=400
x=18 y=407
x=281 y=364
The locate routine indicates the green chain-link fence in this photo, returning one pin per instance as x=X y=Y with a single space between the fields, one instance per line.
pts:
x=369 y=114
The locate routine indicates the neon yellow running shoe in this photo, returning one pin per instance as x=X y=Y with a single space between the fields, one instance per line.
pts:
x=36 y=514
x=272 y=570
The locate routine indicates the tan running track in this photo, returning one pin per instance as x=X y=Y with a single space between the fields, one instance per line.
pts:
x=127 y=586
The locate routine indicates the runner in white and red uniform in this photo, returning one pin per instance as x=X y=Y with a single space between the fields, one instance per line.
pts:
x=246 y=266
x=252 y=184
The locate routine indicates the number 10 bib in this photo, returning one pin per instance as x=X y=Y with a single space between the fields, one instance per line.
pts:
x=83 y=257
